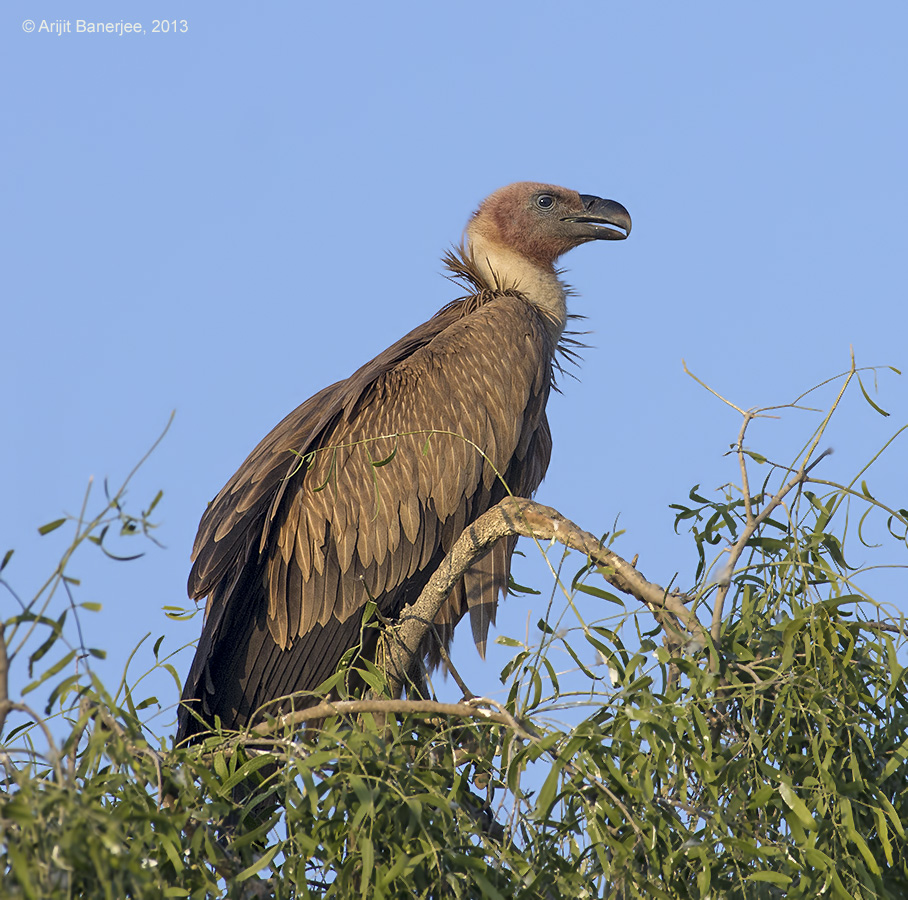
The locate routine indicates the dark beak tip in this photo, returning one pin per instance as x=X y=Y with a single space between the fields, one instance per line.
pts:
x=609 y=212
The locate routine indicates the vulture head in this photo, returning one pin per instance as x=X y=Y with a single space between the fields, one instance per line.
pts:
x=518 y=233
x=542 y=222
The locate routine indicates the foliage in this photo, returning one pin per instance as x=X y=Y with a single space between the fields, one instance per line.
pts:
x=762 y=754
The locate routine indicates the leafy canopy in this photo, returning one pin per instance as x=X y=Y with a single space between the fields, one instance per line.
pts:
x=745 y=738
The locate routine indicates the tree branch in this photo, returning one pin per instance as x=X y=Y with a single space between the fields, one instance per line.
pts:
x=517 y=516
x=475 y=708
x=472 y=709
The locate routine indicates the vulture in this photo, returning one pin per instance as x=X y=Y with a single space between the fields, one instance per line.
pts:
x=359 y=493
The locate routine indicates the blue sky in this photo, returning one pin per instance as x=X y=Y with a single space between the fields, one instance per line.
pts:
x=220 y=222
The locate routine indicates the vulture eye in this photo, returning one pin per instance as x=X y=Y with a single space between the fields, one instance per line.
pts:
x=545 y=201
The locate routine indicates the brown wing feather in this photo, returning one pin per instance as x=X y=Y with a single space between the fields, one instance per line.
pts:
x=309 y=527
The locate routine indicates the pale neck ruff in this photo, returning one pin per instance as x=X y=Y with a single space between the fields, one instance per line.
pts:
x=503 y=269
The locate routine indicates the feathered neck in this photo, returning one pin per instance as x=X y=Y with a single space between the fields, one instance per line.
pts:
x=464 y=271
x=500 y=268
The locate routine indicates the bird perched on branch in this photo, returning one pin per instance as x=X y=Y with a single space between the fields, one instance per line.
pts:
x=360 y=492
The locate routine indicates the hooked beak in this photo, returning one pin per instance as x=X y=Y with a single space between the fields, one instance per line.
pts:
x=602 y=218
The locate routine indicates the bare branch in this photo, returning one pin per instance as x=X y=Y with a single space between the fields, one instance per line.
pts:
x=517 y=516
x=472 y=709
x=888 y=627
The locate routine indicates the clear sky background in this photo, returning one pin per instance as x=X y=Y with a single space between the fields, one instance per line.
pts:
x=220 y=222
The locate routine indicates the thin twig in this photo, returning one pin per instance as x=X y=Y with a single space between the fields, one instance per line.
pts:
x=703 y=384
x=443 y=653
x=738 y=547
x=53 y=752
x=4 y=678
x=745 y=484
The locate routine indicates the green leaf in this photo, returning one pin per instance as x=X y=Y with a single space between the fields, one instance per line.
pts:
x=797 y=806
x=601 y=594
x=19 y=811
x=367 y=852
x=771 y=877
x=892 y=814
x=250 y=767
x=855 y=838
x=586 y=671
x=55 y=634
x=154 y=503
x=59 y=691
x=508 y=641
x=517 y=589
x=261 y=862
x=487 y=889
x=882 y=831
x=898 y=758
x=25 y=726
x=378 y=463
x=53 y=670
x=818 y=859
x=879 y=409
x=172 y=853
x=22 y=869
x=51 y=526
x=220 y=766
x=550 y=789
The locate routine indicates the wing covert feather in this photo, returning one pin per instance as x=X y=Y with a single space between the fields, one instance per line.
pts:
x=451 y=386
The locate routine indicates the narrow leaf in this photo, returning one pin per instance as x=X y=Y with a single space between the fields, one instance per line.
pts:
x=797 y=805
x=53 y=670
x=260 y=863
x=154 y=503
x=51 y=526
x=881 y=411
x=378 y=463
x=598 y=592
x=771 y=877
